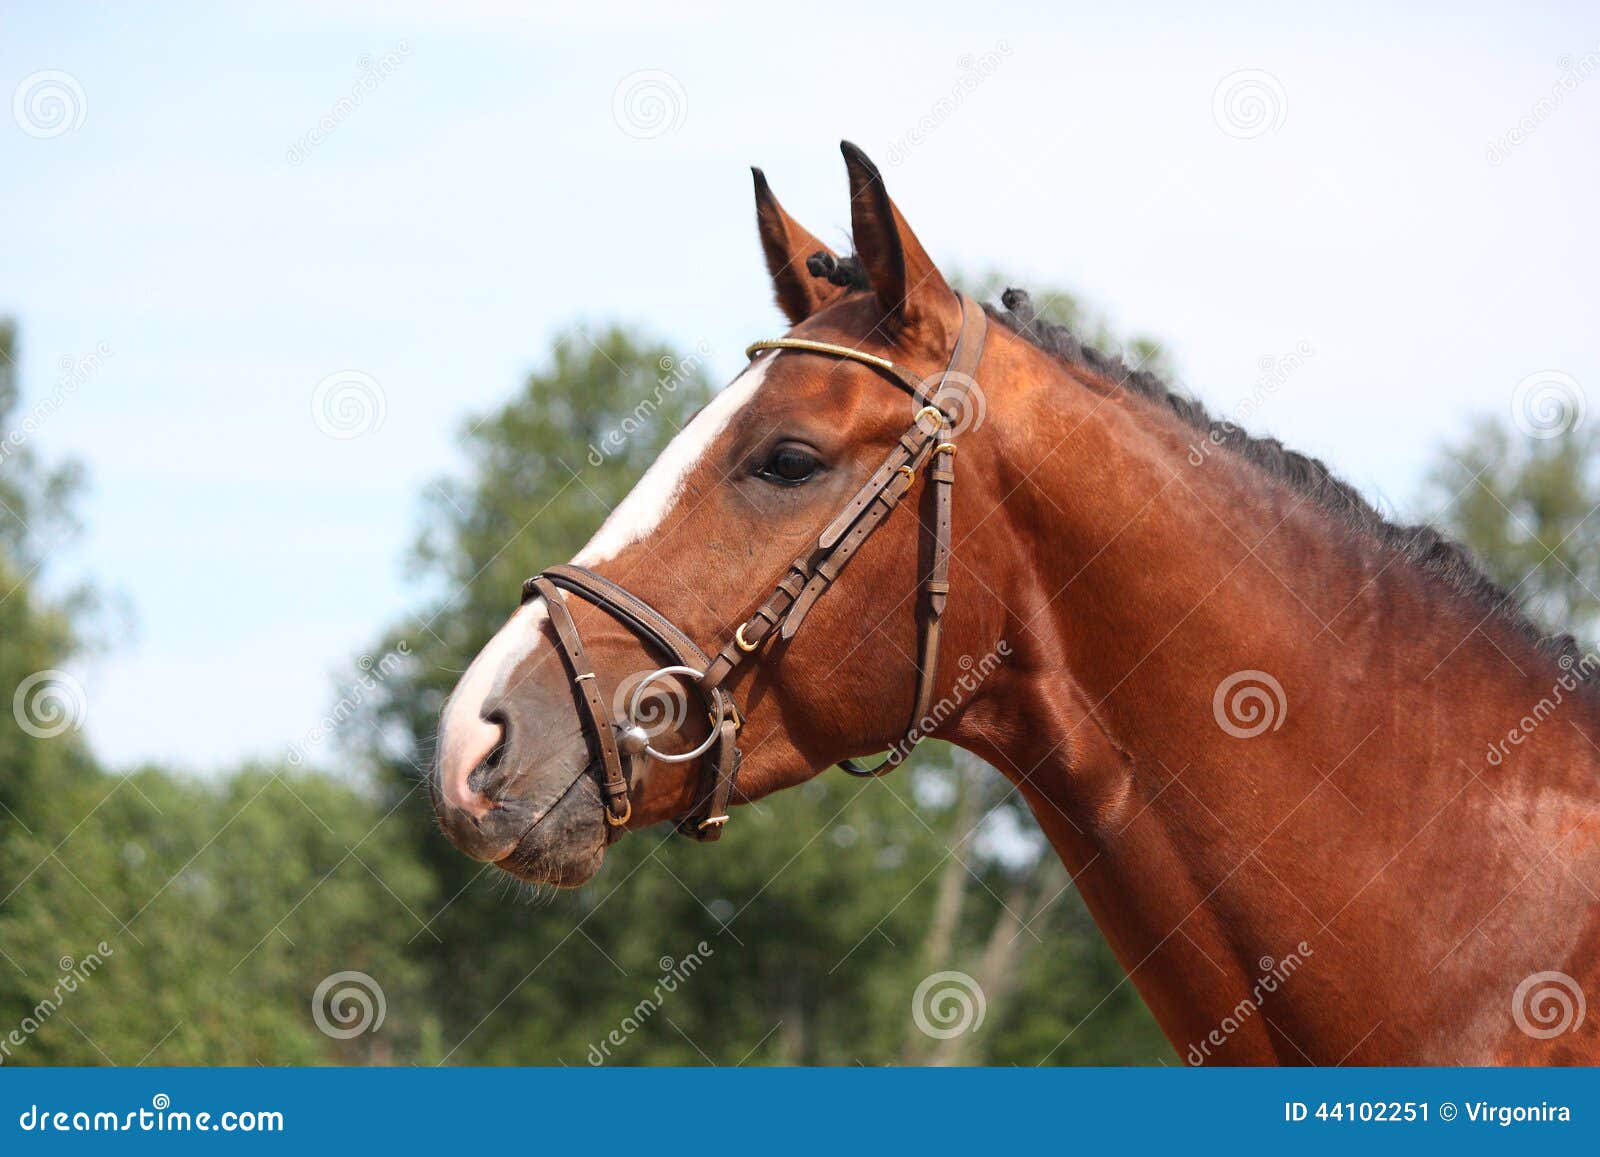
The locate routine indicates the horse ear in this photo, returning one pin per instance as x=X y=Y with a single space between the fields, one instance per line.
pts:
x=910 y=288
x=788 y=246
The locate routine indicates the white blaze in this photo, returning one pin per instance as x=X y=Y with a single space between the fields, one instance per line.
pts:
x=465 y=737
x=649 y=502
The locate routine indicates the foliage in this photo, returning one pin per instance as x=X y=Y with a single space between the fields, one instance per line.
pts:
x=801 y=938
x=215 y=910
x=144 y=916
x=1525 y=506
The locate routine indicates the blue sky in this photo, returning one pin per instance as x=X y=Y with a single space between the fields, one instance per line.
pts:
x=495 y=187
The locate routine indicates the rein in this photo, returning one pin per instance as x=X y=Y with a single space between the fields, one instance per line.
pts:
x=619 y=744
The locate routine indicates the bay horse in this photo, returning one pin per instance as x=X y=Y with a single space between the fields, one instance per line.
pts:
x=1330 y=797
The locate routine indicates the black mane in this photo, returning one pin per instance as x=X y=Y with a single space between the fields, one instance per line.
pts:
x=1421 y=545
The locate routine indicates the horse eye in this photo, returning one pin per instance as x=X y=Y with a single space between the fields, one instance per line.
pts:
x=788 y=466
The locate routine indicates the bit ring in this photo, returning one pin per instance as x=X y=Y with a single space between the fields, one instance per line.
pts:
x=717 y=701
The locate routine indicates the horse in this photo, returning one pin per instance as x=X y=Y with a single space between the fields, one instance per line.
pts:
x=1329 y=795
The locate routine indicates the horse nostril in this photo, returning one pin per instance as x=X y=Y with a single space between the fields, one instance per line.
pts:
x=491 y=761
x=471 y=746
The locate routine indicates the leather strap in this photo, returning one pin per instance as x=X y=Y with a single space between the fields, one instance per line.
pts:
x=619 y=808
x=702 y=822
x=936 y=586
x=929 y=442
x=623 y=604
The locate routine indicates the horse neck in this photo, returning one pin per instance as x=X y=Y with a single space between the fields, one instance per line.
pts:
x=1217 y=861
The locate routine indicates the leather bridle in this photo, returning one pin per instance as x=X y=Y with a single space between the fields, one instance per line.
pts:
x=618 y=745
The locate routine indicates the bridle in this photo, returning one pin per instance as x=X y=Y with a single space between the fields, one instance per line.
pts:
x=927 y=442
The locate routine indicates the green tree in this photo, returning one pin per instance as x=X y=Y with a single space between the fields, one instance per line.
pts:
x=207 y=916
x=150 y=917
x=1526 y=506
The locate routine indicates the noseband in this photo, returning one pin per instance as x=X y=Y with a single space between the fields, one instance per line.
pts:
x=927 y=442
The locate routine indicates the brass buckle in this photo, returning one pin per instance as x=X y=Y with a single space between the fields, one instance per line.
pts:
x=713 y=822
x=911 y=475
x=945 y=448
x=930 y=411
x=627 y=813
x=741 y=642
